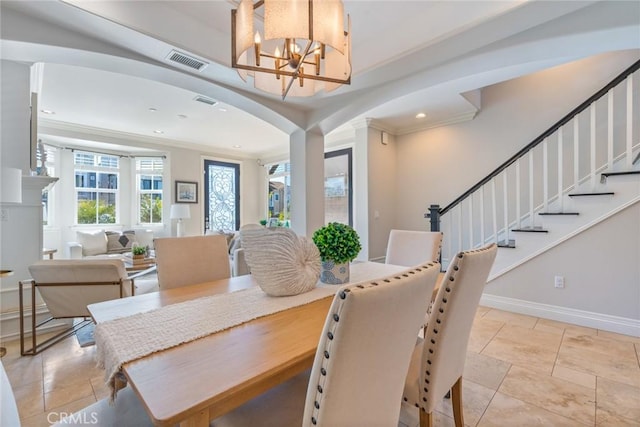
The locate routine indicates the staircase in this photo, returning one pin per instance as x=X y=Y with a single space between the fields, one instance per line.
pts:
x=582 y=170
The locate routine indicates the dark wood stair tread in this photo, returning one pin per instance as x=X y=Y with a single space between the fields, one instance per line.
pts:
x=558 y=213
x=605 y=175
x=535 y=229
x=511 y=244
x=608 y=193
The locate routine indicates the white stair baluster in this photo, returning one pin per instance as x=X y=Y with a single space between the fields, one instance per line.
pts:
x=494 y=209
x=518 y=194
x=471 y=221
x=545 y=175
x=482 y=225
x=576 y=153
x=592 y=127
x=560 y=172
x=610 y=131
x=505 y=191
x=459 y=227
x=531 y=207
x=629 y=153
x=449 y=237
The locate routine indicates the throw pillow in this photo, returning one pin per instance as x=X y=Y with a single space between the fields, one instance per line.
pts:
x=282 y=262
x=119 y=243
x=93 y=243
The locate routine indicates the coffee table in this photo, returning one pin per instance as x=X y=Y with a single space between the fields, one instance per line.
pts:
x=141 y=268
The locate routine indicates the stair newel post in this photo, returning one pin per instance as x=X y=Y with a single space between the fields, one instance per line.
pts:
x=434 y=217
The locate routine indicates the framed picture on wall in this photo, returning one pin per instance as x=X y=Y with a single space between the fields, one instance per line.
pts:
x=186 y=192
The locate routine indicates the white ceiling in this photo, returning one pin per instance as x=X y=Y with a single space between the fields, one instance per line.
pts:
x=105 y=64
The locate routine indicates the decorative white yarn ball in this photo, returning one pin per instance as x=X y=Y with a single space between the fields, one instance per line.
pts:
x=282 y=262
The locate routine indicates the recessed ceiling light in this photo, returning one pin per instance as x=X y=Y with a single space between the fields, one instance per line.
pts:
x=47 y=111
x=153 y=110
x=421 y=116
x=158 y=131
x=182 y=116
x=224 y=110
x=237 y=146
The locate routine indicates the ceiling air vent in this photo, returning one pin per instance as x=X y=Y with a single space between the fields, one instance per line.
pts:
x=205 y=100
x=186 y=60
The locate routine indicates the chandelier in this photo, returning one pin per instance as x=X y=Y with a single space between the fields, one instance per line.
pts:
x=300 y=47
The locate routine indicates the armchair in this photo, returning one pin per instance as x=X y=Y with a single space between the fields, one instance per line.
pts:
x=67 y=287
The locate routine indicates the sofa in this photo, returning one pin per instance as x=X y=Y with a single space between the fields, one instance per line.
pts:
x=237 y=261
x=107 y=244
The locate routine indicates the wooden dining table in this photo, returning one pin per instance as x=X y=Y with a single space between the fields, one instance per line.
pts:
x=198 y=381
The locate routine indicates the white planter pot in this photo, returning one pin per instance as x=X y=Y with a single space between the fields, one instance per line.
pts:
x=334 y=274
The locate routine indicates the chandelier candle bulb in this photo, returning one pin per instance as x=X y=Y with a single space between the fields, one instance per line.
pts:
x=277 y=55
x=257 y=48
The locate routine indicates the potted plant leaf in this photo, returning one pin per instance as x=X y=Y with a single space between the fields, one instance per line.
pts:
x=338 y=244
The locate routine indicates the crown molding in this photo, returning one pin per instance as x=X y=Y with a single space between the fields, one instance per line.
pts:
x=83 y=132
x=460 y=118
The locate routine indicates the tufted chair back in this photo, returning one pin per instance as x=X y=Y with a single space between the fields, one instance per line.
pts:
x=438 y=361
x=409 y=248
x=365 y=348
x=186 y=261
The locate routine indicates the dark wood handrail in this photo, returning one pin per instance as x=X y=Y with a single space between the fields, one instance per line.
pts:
x=579 y=109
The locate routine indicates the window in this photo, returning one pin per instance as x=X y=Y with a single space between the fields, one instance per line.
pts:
x=338 y=194
x=149 y=185
x=96 y=185
x=338 y=202
x=280 y=192
x=49 y=159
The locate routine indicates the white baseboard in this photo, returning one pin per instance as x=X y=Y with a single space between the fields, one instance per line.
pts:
x=10 y=320
x=606 y=322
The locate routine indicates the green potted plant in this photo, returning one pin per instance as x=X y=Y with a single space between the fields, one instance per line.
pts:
x=338 y=244
x=138 y=253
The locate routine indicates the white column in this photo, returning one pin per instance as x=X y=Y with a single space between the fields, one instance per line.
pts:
x=306 y=151
x=361 y=187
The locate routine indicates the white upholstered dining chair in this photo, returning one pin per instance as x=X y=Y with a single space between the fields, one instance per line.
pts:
x=409 y=248
x=360 y=363
x=126 y=411
x=437 y=362
x=183 y=261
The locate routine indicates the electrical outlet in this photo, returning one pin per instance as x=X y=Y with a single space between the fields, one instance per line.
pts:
x=559 y=282
x=4 y=215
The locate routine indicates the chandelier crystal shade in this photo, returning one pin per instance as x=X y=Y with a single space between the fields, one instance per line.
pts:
x=299 y=48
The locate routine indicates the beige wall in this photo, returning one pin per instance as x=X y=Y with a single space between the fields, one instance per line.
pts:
x=601 y=268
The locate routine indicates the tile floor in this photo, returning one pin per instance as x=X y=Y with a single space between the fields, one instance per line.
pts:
x=520 y=371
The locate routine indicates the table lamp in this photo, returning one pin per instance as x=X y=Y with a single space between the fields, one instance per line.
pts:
x=180 y=212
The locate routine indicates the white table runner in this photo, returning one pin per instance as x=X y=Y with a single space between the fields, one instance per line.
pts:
x=126 y=339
